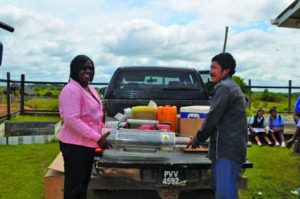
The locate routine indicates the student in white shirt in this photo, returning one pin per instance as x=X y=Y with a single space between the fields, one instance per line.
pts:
x=257 y=127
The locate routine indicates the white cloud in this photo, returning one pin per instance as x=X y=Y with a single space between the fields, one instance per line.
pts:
x=173 y=32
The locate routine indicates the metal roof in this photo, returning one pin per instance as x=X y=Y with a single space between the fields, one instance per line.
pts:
x=290 y=17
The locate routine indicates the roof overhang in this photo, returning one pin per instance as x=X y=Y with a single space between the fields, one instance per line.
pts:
x=290 y=17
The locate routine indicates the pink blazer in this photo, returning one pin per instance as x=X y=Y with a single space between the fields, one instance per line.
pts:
x=82 y=115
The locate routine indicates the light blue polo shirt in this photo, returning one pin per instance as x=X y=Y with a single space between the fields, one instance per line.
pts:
x=276 y=123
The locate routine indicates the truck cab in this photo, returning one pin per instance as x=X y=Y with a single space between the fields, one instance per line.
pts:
x=137 y=85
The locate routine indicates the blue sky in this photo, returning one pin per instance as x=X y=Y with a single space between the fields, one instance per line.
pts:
x=48 y=34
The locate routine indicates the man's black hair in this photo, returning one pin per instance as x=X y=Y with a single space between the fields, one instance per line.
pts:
x=225 y=60
x=76 y=65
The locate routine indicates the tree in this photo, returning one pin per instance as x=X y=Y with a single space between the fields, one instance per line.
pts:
x=241 y=83
x=270 y=97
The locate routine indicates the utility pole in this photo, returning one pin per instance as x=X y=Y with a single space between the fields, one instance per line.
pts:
x=225 y=40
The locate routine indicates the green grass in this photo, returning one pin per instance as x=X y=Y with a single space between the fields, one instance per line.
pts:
x=29 y=118
x=275 y=173
x=43 y=104
x=22 y=170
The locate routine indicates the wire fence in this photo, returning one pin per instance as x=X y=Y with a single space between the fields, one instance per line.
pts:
x=22 y=96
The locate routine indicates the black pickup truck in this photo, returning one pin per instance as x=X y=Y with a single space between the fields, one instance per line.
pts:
x=175 y=174
x=132 y=86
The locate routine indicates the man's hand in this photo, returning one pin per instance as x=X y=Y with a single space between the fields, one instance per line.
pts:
x=193 y=143
x=102 y=142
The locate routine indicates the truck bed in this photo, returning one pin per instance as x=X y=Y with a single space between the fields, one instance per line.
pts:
x=177 y=159
x=124 y=171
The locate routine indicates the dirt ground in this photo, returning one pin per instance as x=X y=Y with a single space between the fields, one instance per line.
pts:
x=13 y=108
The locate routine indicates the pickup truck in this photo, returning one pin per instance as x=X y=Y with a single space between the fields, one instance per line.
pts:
x=132 y=86
x=170 y=175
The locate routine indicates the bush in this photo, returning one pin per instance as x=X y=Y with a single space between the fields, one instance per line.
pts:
x=270 y=97
x=48 y=94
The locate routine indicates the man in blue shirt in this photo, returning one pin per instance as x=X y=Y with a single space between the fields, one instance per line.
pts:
x=297 y=111
x=296 y=135
x=276 y=126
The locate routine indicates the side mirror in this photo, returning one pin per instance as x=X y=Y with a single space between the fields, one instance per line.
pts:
x=1 y=52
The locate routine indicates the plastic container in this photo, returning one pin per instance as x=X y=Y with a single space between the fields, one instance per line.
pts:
x=127 y=112
x=162 y=127
x=143 y=112
x=168 y=114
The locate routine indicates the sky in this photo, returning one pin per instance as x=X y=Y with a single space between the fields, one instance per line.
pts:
x=49 y=34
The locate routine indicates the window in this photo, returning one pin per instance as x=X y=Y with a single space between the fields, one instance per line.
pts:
x=157 y=79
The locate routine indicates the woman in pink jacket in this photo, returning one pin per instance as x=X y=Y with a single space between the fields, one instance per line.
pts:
x=81 y=109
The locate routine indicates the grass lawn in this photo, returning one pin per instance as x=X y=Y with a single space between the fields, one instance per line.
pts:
x=22 y=169
x=30 y=118
x=276 y=171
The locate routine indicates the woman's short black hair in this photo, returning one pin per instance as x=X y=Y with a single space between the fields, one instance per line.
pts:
x=76 y=65
x=225 y=60
x=260 y=109
x=273 y=109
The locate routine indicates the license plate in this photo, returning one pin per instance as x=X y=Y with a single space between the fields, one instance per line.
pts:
x=172 y=177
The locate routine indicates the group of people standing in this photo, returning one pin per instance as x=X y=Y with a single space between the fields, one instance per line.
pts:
x=269 y=130
x=83 y=129
x=80 y=107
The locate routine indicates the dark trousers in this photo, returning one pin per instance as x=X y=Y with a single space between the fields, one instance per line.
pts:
x=78 y=164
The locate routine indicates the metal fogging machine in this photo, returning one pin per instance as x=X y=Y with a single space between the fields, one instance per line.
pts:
x=144 y=140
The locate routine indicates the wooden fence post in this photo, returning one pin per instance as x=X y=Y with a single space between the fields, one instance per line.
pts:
x=249 y=96
x=22 y=100
x=8 y=94
x=289 y=95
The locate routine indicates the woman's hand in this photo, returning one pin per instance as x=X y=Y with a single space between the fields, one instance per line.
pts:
x=102 y=142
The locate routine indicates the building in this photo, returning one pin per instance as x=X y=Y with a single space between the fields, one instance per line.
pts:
x=290 y=17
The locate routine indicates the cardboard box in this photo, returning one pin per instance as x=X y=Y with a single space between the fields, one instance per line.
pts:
x=189 y=127
x=54 y=179
x=58 y=163
x=191 y=119
x=54 y=184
